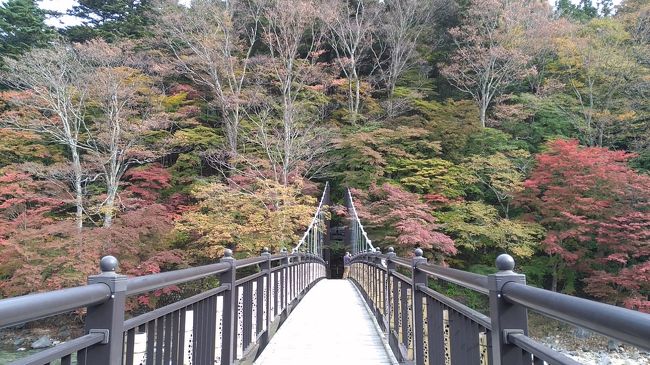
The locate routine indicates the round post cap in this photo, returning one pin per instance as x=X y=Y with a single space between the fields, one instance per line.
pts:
x=108 y=264
x=505 y=262
x=418 y=252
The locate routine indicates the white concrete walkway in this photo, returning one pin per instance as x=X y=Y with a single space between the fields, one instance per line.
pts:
x=331 y=325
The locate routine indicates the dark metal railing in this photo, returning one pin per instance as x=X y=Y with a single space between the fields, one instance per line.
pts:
x=229 y=322
x=426 y=327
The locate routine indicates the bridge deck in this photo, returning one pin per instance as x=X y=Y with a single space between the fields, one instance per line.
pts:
x=331 y=325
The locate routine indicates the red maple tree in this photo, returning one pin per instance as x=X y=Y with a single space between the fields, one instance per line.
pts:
x=596 y=212
x=402 y=218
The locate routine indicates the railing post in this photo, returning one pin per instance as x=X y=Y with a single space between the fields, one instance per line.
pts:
x=285 y=279
x=505 y=317
x=228 y=336
x=107 y=318
x=390 y=268
x=266 y=267
x=418 y=278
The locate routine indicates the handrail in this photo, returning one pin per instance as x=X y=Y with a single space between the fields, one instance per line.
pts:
x=505 y=286
x=541 y=351
x=142 y=284
x=465 y=279
x=105 y=301
x=65 y=349
x=31 y=307
x=624 y=324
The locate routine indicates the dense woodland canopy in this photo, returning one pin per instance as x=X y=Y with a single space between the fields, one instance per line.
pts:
x=163 y=134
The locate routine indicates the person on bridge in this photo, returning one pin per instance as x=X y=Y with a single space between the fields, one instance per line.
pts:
x=347 y=261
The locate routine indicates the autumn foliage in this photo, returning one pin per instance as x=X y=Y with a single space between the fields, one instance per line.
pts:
x=404 y=219
x=597 y=214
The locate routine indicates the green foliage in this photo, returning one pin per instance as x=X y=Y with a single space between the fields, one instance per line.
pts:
x=428 y=176
x=364 y=154
x=641 y=163
x=22 y=27
x=184 y=172
x=17 y=147
x=476 y=226
x=110 y=19
x=546 y=119
x=268 y=214
x=200 y=137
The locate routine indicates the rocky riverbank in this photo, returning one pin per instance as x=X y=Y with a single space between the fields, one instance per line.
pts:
x=16 y=343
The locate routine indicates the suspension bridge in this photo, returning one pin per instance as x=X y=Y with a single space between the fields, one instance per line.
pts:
x=290 y=308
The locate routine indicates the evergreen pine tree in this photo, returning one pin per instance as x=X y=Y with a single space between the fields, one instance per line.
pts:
x=110 y=19
x=22 y=26
x=587 y=9
x=606 y=7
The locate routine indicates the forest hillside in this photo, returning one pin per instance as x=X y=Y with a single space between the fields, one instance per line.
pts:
x=163 y=133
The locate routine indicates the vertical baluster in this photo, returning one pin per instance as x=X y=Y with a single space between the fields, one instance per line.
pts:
x=160 y=323
x=259 y=305
x=472 y=338
x=457 y=338
x=285 y=280
x=174 y=330
x=197 y=332
x=82 y=356
x=130 y=346
x=151 y=341
x=404 y=314
x=181 y=337
x=239 y=321
x=276 y=292
x=396 y=312
x=418 y=278
x=248 y=313
x=66 y=360
x=391 y=300
x=436 y=334
x=168 y=339
x=212 y=328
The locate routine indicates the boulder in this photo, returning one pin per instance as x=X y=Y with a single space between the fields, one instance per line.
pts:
x=604 y=360
x=43 y=342
x=581 y=333
x=19 y=341
x=613 y=345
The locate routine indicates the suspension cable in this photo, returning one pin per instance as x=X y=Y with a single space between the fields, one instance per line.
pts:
x=314 y=237
x=359 y=237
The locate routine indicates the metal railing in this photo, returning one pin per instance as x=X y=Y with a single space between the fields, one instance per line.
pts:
x=426 y=327
x=230 y=322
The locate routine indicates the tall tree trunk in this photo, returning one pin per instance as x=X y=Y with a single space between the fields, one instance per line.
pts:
x=108 y=216
x=554 y=275
x=483 y=108
x=111 y=195
x=76 y=168
x=357 y=92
